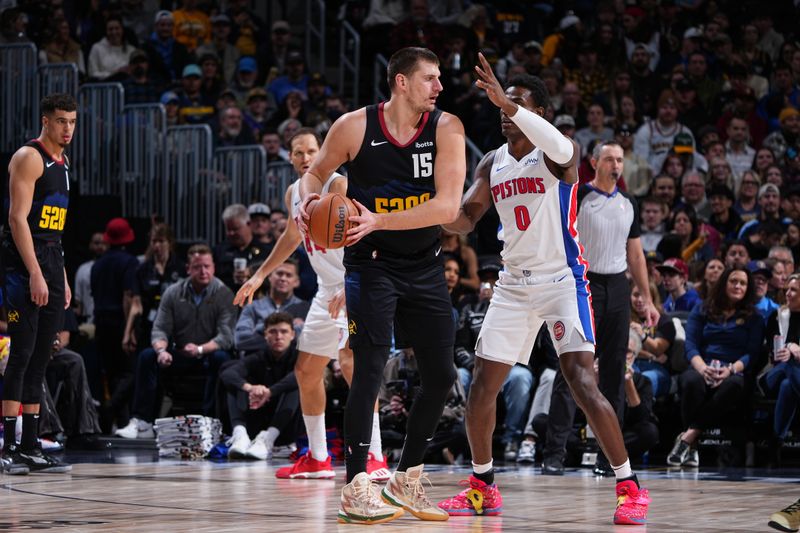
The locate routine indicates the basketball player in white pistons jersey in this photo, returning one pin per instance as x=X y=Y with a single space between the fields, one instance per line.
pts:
x=324 y=336
x=532 y=181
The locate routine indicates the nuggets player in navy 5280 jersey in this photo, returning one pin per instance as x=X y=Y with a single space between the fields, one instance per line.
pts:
x=406 y=163
x=532 y=181
x=36 y=290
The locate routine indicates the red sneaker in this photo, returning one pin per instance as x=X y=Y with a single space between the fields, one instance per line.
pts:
x=632 y=503
x=307 y=468
x=478 y=499
x=377 y=470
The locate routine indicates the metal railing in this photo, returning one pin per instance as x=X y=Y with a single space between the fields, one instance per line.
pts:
x=188 y=180
x=474 y=156
x=349 y=61
x=237 y=171
x=100 y=139
x=144 y=166
x=19 y=93
x=58 y=78
x=380 y=66
x=315 y=30
x=271 y=189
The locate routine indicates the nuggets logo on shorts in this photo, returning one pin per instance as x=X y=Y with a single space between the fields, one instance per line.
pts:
x=558 y=330
x=13 y=317
x=351 y=327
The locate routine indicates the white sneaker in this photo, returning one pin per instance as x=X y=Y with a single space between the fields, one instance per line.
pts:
x=527 y=452
x=283 y=452
x=239 y=443
x=259 y=449
x=136 y=429
x=406 y=490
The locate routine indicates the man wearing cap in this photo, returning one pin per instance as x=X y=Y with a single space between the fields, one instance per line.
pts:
x=683 y=145
x=724 y=218
x=167 y=57
x=258 y=111
x=272 y=53
x=680 y=295
x=218 y=45
x=769 y=203
x=565 y=124
x=194 y=108
x=761 y=275
x=140 y=87
x=245 y=78
x=238 y=244
x=113 y=280
x=192 y=26
x=738 y=153
x=295 y=78
x=788 y=134
x=260 y=225
x=655 y=138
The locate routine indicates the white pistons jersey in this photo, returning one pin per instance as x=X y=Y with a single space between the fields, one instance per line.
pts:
x=538 y=214
x=325 y=262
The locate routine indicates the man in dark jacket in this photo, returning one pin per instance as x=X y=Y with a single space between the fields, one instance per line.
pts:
x=262 y=394
x=192 y=334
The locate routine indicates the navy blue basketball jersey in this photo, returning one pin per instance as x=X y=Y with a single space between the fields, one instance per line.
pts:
x=50 y=198
x=387 y=176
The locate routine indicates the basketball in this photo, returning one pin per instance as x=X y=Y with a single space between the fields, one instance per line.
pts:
x=329 y=220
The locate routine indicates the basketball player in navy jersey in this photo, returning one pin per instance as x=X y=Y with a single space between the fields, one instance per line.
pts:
x=406 y=169
x=532 y=181
x=36 y=285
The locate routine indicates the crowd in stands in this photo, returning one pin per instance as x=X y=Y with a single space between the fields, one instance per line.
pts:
x=703 y=97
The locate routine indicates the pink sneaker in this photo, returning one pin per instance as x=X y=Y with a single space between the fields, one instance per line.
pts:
x=307 y=468
x=478 y=499
x=632 y=503
x=377 y=470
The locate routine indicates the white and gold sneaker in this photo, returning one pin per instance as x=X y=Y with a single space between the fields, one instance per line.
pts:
x=361 y=503
x=405 y=489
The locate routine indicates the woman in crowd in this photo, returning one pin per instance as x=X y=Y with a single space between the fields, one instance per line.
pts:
x=457 y=245
x=777 y=283
x=109 y=57
x=747 y=196
x=656 y=341
x=62 y=48
x=774 y=174
x=711 y=273
x=720 y=173
x=694 y=245
x=723 y=335
x=673 y=166
x=161 y=268
x=763 y=159
x=783 y=379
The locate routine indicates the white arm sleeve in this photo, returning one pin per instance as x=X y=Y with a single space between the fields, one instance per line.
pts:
x=544 y=135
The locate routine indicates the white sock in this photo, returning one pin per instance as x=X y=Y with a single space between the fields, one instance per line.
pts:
x=624 y=470
x=482 y=469
x=375 y=446
x=317 y=443
x=272 y=436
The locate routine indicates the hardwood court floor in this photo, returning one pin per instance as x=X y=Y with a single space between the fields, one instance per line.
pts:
x=144 y=494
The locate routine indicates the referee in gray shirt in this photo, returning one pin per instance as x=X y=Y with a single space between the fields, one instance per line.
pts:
x=608 y=223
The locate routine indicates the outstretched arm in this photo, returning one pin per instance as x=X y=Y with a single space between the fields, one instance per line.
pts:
x=477 y=200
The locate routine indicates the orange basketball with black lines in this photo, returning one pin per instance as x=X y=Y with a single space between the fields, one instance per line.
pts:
x=329 y=220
